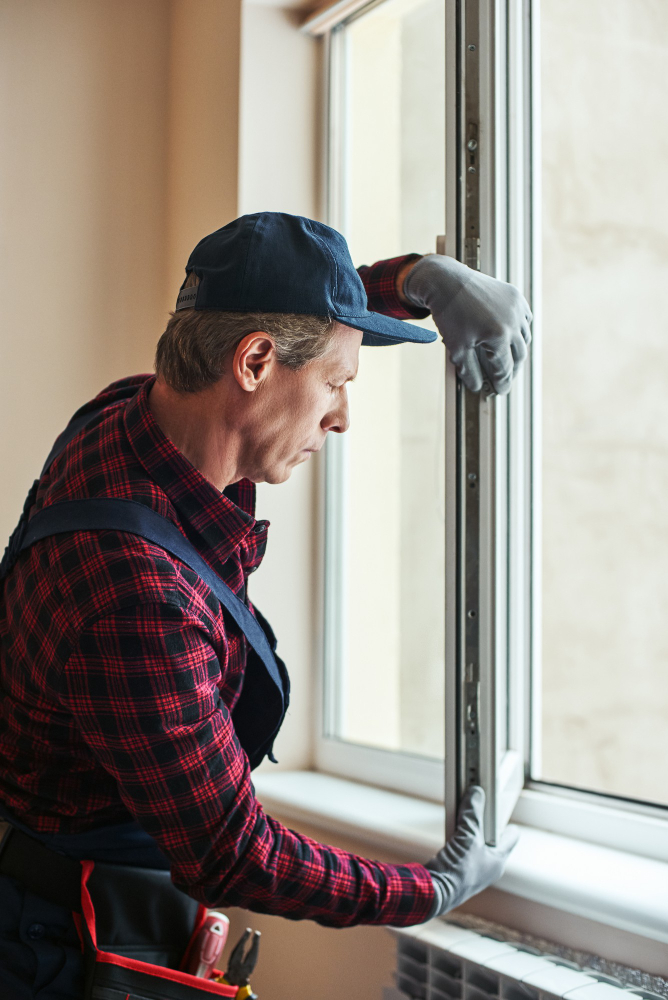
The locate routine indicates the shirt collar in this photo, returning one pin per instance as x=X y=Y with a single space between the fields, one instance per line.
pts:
x=222 y=521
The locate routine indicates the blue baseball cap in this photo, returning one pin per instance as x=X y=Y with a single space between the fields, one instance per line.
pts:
x=279 y=263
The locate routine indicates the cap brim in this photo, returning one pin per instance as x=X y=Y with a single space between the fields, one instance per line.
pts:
x=381 y=331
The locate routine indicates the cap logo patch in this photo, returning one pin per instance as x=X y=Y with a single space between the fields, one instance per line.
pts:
x=186 y=298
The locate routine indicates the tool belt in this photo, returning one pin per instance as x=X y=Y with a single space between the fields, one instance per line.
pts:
x=135 y=926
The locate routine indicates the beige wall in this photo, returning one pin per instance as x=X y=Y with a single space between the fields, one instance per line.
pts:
x=119 y=131
x=82 y=181
x=203 y=127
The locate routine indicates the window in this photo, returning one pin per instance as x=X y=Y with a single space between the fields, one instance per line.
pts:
x=495 y=566
x=385 y=517
x=604 y=480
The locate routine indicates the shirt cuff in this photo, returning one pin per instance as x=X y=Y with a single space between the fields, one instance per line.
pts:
x=380 y=282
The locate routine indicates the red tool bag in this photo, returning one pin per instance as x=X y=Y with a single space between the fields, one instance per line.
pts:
x=111 y=976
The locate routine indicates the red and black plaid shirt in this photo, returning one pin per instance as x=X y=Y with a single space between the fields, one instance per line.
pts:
x=119 y=675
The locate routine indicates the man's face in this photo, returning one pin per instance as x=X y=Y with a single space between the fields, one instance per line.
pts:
x=293 y=411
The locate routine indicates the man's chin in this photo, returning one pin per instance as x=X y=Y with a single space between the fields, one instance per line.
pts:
x=277 y=476
x=281 y=474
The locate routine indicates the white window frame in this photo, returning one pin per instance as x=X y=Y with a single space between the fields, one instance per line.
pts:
x=510 y=248
x=394 y=770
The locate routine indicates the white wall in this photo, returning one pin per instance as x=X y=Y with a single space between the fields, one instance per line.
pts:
x=278 y=172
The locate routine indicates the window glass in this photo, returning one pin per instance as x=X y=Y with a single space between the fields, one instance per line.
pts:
x=605 y=384
x=391 y=688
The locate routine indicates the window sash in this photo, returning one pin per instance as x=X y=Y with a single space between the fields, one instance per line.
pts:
x=491 y=662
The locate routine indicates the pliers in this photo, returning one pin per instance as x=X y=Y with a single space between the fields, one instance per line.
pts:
x=240 y=967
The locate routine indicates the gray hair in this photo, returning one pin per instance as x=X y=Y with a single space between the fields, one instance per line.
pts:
x=192 y=351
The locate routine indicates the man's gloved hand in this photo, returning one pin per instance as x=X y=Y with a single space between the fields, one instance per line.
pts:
x=466 y=865
x=484 y=322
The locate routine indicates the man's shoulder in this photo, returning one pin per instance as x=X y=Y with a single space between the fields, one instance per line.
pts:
x=98 y=572
x=118 y=391
x=93 y=574
x=93 y=456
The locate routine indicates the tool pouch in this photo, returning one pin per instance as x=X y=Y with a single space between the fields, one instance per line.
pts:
x=133 y=925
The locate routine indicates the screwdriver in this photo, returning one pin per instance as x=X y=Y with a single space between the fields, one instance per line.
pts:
x=208 y=945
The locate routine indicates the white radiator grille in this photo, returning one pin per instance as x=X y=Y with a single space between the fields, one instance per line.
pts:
x=440 y=961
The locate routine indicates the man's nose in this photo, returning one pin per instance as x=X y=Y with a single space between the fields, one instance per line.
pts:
x=338 y=419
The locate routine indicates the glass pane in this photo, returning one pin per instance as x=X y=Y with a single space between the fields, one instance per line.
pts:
x=605 y=384
x=392 y=689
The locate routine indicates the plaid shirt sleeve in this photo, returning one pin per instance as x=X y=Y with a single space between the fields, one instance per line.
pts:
x=380 y=282
x=143 y=685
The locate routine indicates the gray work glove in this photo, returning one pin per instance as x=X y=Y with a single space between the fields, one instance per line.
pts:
x=466 y=865
x=484 y=322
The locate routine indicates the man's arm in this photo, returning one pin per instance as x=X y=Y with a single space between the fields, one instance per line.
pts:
x=485 y=323
x=143 y=685
x=384 y=282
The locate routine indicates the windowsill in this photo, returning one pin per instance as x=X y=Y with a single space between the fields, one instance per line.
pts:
x=598 y=883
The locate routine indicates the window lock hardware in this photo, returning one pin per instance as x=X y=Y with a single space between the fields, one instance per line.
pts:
x=472 y=251
x=472 y=186
x=472 y=726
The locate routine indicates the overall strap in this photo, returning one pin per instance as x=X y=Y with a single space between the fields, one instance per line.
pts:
x=137 y=519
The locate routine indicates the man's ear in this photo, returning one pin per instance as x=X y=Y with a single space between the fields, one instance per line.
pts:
x=254 y=357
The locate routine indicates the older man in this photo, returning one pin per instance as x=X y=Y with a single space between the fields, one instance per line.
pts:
x=140 y=685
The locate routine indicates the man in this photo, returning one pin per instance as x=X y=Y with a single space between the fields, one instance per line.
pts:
x=133 y=705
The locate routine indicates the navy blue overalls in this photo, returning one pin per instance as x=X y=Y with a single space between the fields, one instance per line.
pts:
x=40 y=951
